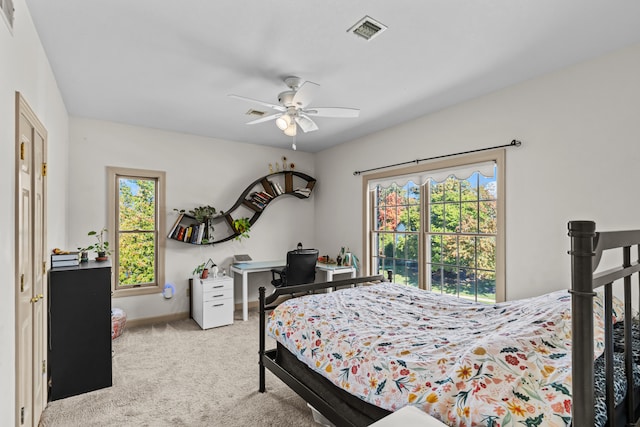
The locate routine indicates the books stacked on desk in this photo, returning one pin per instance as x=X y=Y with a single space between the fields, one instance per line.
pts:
x=68 y=259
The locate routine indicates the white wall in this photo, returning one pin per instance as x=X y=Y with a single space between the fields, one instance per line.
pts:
x=580 y=159
x=200 y=171
x=25 y=68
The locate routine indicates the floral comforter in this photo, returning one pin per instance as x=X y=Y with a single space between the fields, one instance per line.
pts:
x=464 y=363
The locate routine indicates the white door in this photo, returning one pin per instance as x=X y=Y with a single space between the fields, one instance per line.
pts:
x=31 y=385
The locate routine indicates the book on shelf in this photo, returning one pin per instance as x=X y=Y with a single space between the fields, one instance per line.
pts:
x=65 y=263
x=275 y=188
x=303 y=191
x=181 y=231
x=280 y=190
x=69 y=256
x=194 y=234
x=172 y=232
x=200 y=233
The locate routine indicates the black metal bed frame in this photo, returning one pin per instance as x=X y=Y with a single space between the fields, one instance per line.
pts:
x=340 y=415
x=587 y=247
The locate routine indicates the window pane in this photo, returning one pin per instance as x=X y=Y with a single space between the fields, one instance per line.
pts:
x=410 y=249
x=450 y=250
x=450 y=281
x=452 y=190
x=137 y=203
x=469 y=219
x=468 y=284
x=137 y=258
x=487 y=286
x=488 y=188
x=452 y=218
x=436 y=248
x=413 y=193
x=488 y=217
x=436 y=278
x=487 y=253
x=471 y=187
x=413 y=218
x=436 y=222
x=467 y=251
x=436 y=191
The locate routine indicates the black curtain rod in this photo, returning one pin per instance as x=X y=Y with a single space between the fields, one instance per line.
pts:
x=514 y=143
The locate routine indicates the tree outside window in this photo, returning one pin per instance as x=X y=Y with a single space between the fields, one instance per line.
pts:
x=440 y=233
x=136 y=215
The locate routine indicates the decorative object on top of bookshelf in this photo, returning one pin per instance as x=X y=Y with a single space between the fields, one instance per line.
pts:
x=198 y=229
x=242 y=226
x=203 y=213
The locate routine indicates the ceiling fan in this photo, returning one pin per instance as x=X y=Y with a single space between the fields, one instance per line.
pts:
x=293 y=108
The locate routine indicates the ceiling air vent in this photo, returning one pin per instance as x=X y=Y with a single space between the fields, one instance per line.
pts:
x=367 y=28
x=256 y=113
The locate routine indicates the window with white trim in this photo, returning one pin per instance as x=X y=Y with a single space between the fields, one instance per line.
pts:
x=136 y=202
x=439 y=226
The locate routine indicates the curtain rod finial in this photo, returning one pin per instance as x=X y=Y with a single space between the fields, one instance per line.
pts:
x=516 y=143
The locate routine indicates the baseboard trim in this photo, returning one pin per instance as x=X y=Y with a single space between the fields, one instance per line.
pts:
x=145 y=321
x=252 y=305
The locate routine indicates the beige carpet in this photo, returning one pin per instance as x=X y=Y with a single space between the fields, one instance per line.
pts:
x=176 y=374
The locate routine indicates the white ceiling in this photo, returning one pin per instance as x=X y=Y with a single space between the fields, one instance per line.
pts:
x=171 y=64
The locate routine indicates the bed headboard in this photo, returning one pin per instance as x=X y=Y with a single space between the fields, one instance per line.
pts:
x=587 y=247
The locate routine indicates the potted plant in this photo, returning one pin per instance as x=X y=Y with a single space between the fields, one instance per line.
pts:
x=84 y=254
x=242 y=226
x=204 y=215
x=202 y=270
x=101 y=247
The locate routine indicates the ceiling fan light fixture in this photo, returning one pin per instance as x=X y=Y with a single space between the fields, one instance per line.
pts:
x=283 y=122
x=291 y=130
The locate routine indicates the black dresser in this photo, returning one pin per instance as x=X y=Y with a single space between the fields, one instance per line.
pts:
x=79 y=340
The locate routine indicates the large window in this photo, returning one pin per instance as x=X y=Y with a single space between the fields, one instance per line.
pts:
x=137 y=198
x=439 y=226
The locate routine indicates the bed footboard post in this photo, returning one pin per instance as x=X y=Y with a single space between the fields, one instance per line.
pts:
x=261 y=350
x=582 y=235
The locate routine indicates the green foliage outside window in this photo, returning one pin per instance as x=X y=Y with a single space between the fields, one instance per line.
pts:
x=461 y=240
x=137 y=231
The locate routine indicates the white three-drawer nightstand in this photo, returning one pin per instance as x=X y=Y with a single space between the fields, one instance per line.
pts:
x=212 y=301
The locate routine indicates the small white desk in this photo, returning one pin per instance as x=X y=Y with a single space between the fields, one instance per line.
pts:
x=244 y=268
x=332 y=269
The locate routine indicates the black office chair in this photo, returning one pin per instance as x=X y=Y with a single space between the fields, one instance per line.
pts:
x=300 y=269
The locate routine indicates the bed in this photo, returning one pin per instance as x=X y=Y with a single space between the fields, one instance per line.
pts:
x=461 y=362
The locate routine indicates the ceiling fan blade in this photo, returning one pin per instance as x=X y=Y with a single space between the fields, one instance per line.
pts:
x=256 y=101
x=304 y=94
x=339 y=112
x=265 y=119
x=306 y=124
